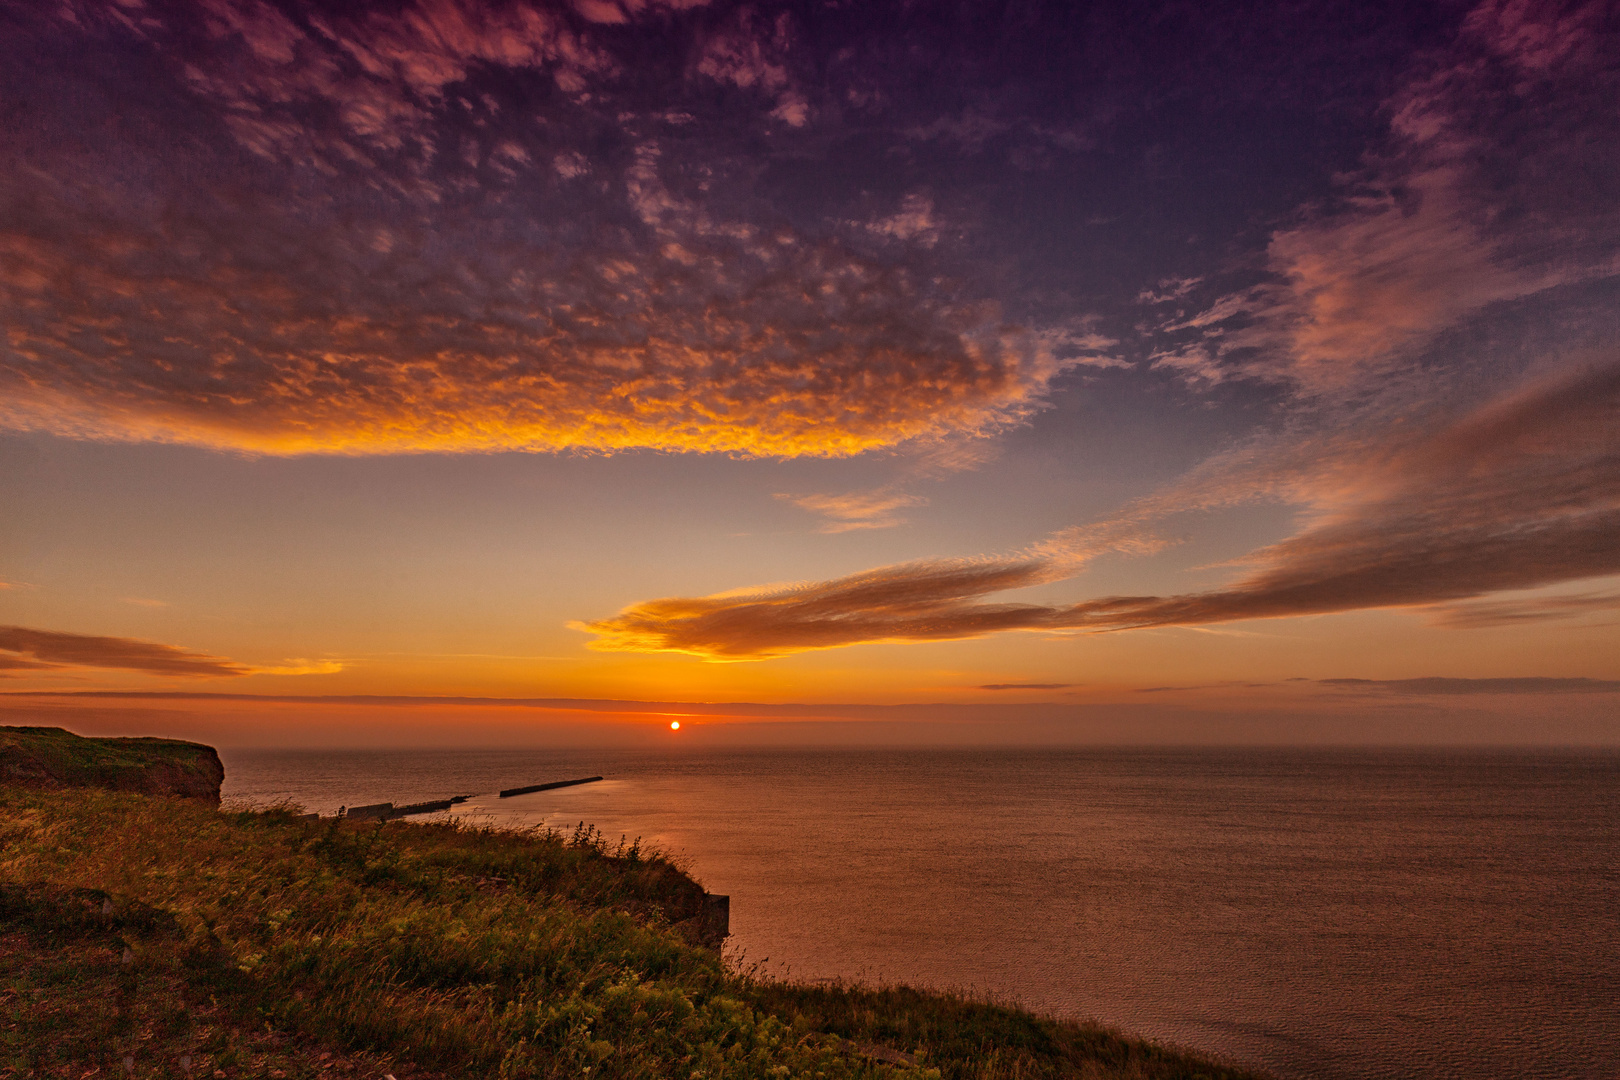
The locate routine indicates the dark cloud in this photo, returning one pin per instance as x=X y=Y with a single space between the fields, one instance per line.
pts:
x=1521 y=494
x=1025 y=686
x=23 y=648
x=1442 y=686
x=21 y=663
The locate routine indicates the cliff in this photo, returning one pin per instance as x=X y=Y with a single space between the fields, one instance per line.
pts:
x=46 y=757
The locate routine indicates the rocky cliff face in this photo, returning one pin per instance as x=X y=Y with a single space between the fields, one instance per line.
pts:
x=53 y=758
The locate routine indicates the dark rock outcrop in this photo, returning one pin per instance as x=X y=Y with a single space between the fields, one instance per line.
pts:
x=45 y=757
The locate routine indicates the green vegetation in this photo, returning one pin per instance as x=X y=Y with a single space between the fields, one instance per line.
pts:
x=149 y=937
x=51 y=757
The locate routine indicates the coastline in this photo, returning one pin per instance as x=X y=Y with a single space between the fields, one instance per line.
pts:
x=1321 y=913
x=157 y=935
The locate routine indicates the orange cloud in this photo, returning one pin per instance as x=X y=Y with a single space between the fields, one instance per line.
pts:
x=914 y=602
x=398 y=255
x=1522 y=494
x=24 y=649
x=824 y=354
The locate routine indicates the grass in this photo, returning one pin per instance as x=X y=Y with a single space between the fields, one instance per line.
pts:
x=144 y=937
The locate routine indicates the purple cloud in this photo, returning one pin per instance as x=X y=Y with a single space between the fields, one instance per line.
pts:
x=1474 y=200
x=456 y=226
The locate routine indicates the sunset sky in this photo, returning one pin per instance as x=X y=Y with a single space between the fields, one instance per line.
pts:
x=1113 y=371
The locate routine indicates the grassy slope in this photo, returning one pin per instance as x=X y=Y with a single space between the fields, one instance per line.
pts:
x=149 y=937
x=52 y=757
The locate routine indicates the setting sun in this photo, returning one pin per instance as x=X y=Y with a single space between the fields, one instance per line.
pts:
x=674 y=725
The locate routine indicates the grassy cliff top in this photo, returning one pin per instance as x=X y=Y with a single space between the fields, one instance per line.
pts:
x=143 y=938
x=54 y=757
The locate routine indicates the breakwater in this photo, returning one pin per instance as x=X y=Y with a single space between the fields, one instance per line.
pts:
x=387 y=811
x=509 y=792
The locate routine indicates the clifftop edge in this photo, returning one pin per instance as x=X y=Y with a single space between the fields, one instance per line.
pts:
x=51 y=757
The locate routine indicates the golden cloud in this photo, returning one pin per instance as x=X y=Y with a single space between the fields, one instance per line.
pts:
x=823 y=355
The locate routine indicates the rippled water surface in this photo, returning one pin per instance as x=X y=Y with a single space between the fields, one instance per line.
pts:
x=1322 y=914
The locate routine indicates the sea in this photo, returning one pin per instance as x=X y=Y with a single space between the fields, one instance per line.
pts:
x=1321 y=914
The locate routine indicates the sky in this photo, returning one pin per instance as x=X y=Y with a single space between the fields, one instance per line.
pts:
x=452 y=373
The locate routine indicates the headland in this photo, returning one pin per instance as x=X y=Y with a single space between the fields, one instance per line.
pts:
x=155 y=935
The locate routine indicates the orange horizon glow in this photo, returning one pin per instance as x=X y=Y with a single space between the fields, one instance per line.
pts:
x=1332 y=716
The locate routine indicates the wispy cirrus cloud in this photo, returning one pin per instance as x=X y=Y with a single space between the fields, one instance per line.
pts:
x=877 y=509
x=1518 y=610
x=1475 y=200
x=1522 y=493
x=301 y=665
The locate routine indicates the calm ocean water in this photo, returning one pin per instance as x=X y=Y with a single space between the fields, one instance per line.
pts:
x=1324 y=914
